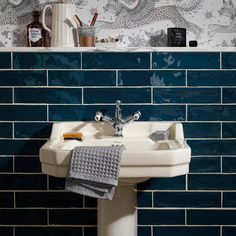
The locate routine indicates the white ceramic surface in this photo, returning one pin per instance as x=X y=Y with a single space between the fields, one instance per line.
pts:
x=62 y=24
x=142 y=158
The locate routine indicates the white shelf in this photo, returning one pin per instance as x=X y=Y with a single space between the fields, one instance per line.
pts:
x=119 y=49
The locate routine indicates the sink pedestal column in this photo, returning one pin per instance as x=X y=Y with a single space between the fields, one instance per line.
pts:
x=119 y=216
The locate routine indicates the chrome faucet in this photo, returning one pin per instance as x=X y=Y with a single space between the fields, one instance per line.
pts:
x=118 y=122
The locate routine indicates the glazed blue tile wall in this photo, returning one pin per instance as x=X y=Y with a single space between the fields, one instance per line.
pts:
x=194 y=88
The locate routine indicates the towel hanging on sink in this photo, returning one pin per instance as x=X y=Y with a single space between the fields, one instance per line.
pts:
x=94 y=171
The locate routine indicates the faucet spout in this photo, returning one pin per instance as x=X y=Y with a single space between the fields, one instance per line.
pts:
x=118 y=122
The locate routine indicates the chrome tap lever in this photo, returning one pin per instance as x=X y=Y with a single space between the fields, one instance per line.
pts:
x=118 y=122
x=137 y=115
x=131 y=118
x=98 y=116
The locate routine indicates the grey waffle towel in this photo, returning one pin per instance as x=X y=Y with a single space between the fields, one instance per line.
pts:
x=94 y=171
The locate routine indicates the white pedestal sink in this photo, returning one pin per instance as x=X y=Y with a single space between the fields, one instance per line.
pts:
x=142 y=159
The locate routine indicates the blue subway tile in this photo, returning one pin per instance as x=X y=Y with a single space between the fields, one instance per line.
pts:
x=144 y=199
x=211 y=78
x=86 y=113
x=6 y=164
x=23 y=182
x=213 y=147
x=211 y=217
x=32 y=130
x=20 y=147
x=229 y=199
x=198 y=130
x=211 y=182
x=90 y=202
x=212 y=113
x=144 y=231
x=48 y=95
x=46 y=60
x=5 y=60
x=27 y=164
x=48 y=231
x=6 y=231
x=206 y=164
x=228 y=60
x=56 y=183
x=48 y=200
x=5 y=130
x=186 y=95
x=90 y=231
x=187 y=199
x=110 y=95
x=229 y=231
x=23 y=78
x=174 y=183
x=229 y=164
x=23 y=113
x=229 y=130
x=186 y=231
x=5 y=95
x=6 y=200
x=160 y=217
x=185 y=60
x=229 y=95
x=73 y=217
x=23 y=217
x=82 y=78
x=152 y=78
x=133 y=60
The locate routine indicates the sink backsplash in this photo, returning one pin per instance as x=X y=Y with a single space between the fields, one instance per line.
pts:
x=137 y=23
x=196 y=88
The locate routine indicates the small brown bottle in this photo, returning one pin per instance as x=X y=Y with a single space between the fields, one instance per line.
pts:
x=36 y=35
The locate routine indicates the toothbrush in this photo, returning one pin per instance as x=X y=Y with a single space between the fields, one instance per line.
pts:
x=94 y=19
x=78 y=21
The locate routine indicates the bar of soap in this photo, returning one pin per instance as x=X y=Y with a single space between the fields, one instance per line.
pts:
x=73 y=136
x=160 y=135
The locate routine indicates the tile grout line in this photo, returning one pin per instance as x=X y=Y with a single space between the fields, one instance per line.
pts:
x=81 y=61
x=150 y=60
x=220 y=60
x=185 y=217
x=12 y=61
x=47 y=78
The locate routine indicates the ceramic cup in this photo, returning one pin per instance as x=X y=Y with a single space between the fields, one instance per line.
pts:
x=86 y=36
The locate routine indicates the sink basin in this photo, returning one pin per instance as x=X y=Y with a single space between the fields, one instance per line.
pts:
x=143 y=157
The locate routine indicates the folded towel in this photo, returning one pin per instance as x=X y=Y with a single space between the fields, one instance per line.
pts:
x=94 y=171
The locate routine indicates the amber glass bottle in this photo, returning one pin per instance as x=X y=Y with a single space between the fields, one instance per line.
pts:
x=36 y=35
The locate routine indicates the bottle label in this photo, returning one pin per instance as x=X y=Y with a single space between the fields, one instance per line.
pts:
x=35 y=34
